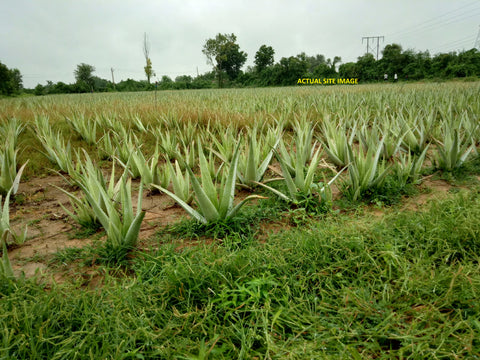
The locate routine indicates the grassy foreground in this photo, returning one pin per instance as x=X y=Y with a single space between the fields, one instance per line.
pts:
x=348 y=287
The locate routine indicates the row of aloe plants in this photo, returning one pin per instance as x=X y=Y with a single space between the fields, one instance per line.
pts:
x=364 y=151
x=9 y=184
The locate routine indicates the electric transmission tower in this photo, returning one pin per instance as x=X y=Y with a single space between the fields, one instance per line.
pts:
x=477 y=42
x=370 y=48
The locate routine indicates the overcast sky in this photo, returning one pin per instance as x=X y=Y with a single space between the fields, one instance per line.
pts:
x=47 y=39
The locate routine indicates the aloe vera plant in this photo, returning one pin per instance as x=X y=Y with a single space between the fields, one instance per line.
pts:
x=303 y=145
x=6 y=270
x=124 y=146
x=56 y=149
x=11 y=130
x=186 y=153
x=416 y=132
x=90 y=178
x=122 y=225
x=86 y=128
x=453 y=151
x=371 y=135
x=187 y=131
x=336 y=142
x=137 y=121
x=366 y=170
x=168 y=141
x=106 y=147
x=252 y=163
x=82 y=212
x=224 y=143
x=213 y=204
x=9 y=176
x=5 y=222
x=302 y=185
x=110 y=122
x=163 y=175
x=408 y=167
x=148 y=170
x=180 y=183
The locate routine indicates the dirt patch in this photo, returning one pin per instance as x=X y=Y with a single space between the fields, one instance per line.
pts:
x=271 y=228
x=38 y=207
x=30 y=269
x=431 y=190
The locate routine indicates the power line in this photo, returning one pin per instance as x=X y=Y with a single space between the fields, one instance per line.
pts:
x=440 y=24
x=436 y=19
x=455 y=43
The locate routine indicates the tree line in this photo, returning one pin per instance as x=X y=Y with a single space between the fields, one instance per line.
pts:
x=227 y=60
x=10 y=81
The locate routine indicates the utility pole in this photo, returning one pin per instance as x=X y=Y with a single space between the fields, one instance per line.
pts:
x=477 y=42
x=113 y=80
x=368 y=43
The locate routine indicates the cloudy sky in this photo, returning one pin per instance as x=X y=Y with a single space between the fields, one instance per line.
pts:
x=47 y=39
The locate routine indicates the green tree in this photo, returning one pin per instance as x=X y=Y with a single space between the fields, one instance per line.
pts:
x=366 y=68
x=327 y=68
x=84 y=77
x=166 y=83
x=39 y=90
x=183 y=82
x=146 y=52
x=289 y=70
x=441 y=62
x=264 y=58
x=16 y=81
x=348 y=70
x=10 y=80
x=224 y=54
x=4 y=79
x=314 y=62
x=149 y=70
x=392 y=61
x=416 y=65
x=469 y=61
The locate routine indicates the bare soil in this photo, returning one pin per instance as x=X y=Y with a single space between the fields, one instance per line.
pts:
x=49 y=228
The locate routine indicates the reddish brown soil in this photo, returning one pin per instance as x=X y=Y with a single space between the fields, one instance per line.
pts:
x=49 y=229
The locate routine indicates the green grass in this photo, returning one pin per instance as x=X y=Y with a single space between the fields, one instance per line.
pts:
x=346 y=287
x=243 y=226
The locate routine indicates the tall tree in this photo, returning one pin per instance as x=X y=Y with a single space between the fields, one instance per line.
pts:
x=146 y=52
x=84 y=77
x=366 y=68
x=264 y=58
x=10 y=80
x=224 y=54
x=348 y=70
x=290 y=69
x=392 y=61
x=315 y=61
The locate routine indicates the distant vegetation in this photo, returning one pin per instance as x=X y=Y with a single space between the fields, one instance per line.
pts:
x=227 y=60
x=10 y=81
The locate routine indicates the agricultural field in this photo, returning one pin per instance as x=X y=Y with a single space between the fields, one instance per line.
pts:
x=314 y=222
